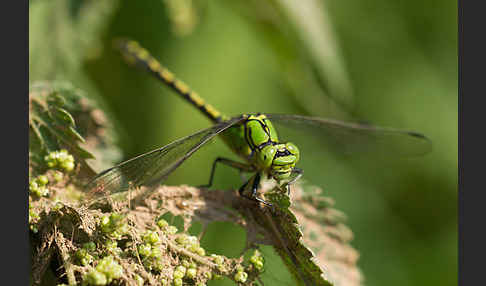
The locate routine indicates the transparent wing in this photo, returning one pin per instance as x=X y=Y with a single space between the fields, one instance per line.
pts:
x=152 y=167
x=349 y=138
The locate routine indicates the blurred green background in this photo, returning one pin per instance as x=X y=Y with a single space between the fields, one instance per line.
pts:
x=392 y=63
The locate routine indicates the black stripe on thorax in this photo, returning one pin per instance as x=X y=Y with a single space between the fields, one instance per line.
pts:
x=269 y=142
x=248 y=136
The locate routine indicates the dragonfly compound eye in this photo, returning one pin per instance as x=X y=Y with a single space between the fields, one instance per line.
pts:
x=266 y=155
x=292 y=148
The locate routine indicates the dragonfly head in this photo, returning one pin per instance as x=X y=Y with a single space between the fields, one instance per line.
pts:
x=279 y=159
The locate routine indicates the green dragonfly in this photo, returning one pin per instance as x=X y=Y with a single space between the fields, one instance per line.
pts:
x=253 y=137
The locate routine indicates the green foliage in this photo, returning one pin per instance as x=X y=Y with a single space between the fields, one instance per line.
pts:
x=102 y=259
x=53 y=107
x=62 y=34
x=392 y=62
x=52 y=126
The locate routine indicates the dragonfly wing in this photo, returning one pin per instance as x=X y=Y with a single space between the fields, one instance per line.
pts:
x=350 y=138
x=155 y=166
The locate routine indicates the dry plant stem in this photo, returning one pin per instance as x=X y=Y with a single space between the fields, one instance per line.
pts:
x=44 y=254
x=187 y=253
x=79 y=269
x=59 y=238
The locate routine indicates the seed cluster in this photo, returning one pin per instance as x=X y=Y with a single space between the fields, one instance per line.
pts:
x=114 y=225
x=60 y=159
x=150 y=251
x=105 y=271
x=159 y=250
x=257 y=260
x=38 y=186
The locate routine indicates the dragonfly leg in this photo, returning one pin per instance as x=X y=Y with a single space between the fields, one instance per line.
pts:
x=254 y=188
x=299 y=173
x=228 y=162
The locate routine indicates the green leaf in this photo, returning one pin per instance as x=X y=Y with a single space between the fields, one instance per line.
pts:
x=62 y=115
x=309 y=236
x=52 y=126
x=315 y=32
x=287 y=238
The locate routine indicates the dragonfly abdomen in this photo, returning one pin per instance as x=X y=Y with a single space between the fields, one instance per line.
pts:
x=135 y=54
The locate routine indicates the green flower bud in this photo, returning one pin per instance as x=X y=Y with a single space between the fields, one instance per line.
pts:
x=90 y=246
x=110 y=268
x=181 y=269
x=218 y=259
x=68 y=166
x=109 y=244
x=42 y=191
x=171 y=229
x=258 y=265
x=239 y=268
x=200 y=251
x=42 y=180
x=208 y=275
x=105 y=220
x=95 y=277
x=241 y=277
x=222 y=268
x=84 y=257
x=182 y=239
x=156 y=252
x=151 y=237
x=162 y=223
x=191 y=273
x=158 y=264
x=114 y=225
x=257 y=260
x=33 y=186
x=144 y=249
x=178 y=274
x=177 y=281
x=192 y=240
x=60 y=158
x=185 y=263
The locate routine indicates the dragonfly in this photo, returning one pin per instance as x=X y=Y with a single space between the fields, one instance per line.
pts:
x=252 y=137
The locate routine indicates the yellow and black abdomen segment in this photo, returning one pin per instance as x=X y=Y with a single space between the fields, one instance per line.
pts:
x=135 y=54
